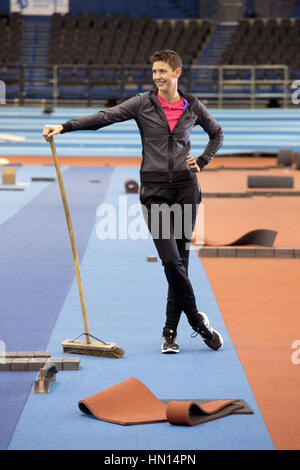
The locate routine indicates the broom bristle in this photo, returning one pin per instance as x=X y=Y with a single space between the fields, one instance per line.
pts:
x=116 y=353
x=94 y=348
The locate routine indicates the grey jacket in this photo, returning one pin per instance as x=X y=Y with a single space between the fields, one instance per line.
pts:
x=164 y=152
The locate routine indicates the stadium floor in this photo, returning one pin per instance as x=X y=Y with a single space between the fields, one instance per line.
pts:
x=253 y=302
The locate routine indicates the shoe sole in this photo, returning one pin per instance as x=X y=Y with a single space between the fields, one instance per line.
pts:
x=206 y=320
x=170 y=351
x=221 y=341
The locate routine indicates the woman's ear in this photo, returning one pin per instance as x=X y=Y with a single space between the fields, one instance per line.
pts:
x=178 y=71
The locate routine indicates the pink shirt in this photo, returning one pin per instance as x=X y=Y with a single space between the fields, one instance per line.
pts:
x=173 y=111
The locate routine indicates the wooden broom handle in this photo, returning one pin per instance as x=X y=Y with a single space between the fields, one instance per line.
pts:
x=72 y=240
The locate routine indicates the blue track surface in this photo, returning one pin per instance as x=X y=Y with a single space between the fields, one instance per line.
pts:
x=18 y=199
x=37 y=271
x=245 y=131
x=125 y=299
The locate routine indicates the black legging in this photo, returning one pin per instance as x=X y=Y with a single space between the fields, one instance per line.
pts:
x=173 y=246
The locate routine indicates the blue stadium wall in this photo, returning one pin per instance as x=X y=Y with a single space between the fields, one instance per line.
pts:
x=156 y=8
x=4 y=5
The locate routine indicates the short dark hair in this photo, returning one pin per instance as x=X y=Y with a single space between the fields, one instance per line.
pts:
x=168 y=56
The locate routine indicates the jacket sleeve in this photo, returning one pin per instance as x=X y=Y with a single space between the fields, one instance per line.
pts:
x=214 y=131
x=122 y=112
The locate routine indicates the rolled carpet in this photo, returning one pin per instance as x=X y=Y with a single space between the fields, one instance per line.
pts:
x=127 y=402
x=131 y=402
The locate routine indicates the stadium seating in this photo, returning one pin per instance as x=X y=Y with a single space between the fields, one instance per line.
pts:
x=11 y=29
x=264 y=42
x=103 y=55
x=100 y=39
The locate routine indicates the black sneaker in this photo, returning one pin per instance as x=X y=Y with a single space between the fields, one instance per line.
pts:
x=169 y=341
x=211 y=337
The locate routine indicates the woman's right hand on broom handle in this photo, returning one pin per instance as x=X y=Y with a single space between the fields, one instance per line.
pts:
x=51 y=130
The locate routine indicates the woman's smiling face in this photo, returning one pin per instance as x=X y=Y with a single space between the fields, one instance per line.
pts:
x=164 y=77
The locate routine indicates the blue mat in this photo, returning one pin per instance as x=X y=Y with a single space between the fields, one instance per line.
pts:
x=12 y=201
x=37 y=270
x=125 y=297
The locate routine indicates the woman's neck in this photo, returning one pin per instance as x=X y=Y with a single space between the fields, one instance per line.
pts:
x=171 y=95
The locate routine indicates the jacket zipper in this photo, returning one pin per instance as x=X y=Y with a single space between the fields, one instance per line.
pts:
x=170 y=153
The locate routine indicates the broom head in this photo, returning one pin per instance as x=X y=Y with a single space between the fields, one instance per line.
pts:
x=93 y=348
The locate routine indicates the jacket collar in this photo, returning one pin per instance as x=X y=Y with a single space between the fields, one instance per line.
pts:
x=153 y=95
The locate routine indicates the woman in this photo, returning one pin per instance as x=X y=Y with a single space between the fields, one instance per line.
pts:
x=165 y=117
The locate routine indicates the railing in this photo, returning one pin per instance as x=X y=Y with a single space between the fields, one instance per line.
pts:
x=91 y=85
x=253 y=84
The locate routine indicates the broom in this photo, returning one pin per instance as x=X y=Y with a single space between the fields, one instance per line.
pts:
x=88 y=347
